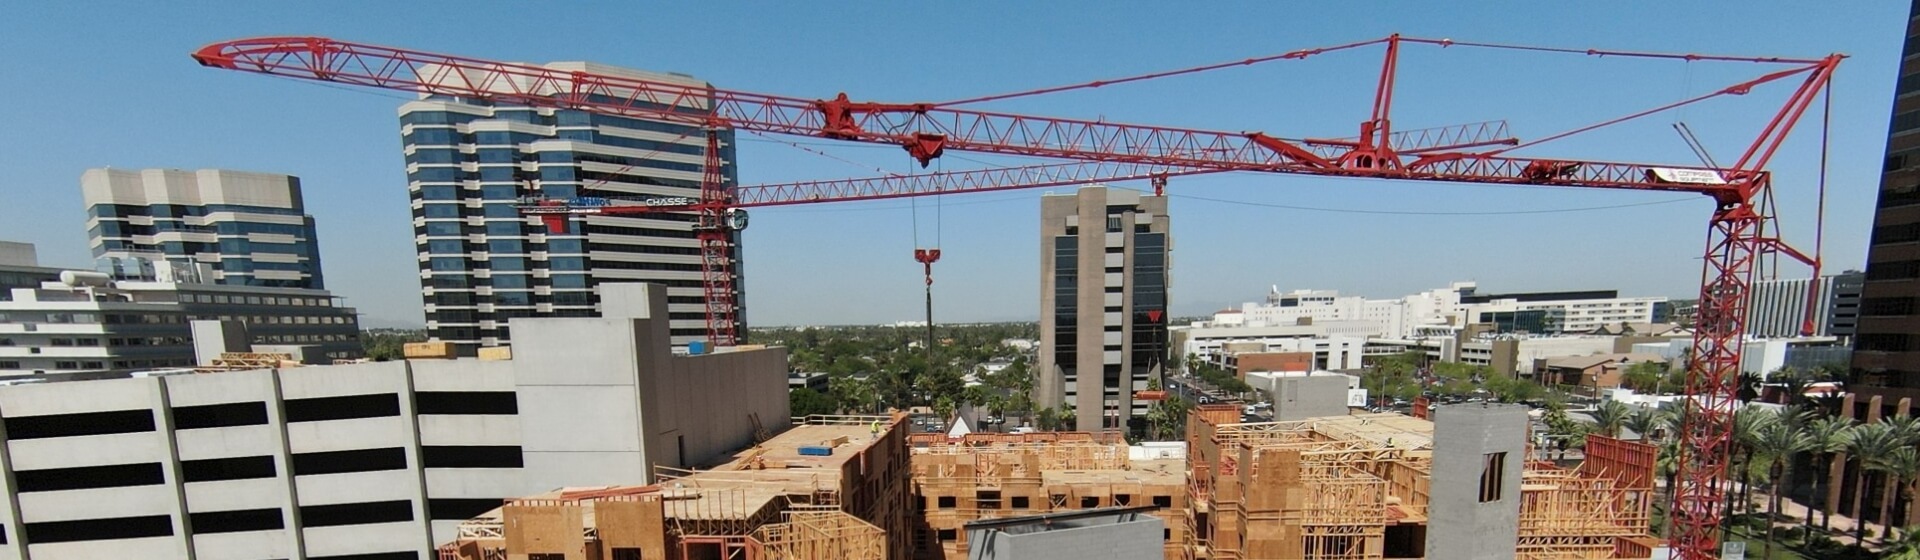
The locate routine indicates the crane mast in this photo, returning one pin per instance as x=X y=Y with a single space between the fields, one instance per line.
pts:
x=1097 y=149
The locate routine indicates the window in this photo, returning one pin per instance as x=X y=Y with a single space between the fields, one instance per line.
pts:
x=82 y=424
x=219 y=415
x=948 y=502
x=624 y=553
x=949 y=535
x=1019 y=502
x=987 y=499
x=476 y=402
x=342 y=408
x=357 y=460
x=98 y=529
x=237 y=521
x=80 y=478
x=470 y=456
x=1493 y=474
x=460 y=509
x=229 y=468
x=356 y=514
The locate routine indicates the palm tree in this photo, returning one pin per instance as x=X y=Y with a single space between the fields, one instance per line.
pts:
x=1869 y=444
x=1644 y=422
x=1903 y=465
x=1826 y=435
x=1747 y=425
x=1907 y=429
x=1794 y=386
x=1667 y=464
x=1749 y=384
x=1907 y=548
x=1609 y=416
x=1778 y=441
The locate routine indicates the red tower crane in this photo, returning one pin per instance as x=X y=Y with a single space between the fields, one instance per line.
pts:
x=1106 y=150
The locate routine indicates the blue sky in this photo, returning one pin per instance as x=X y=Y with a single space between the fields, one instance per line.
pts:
x=110 y=84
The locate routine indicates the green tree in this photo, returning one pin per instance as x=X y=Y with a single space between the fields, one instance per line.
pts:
x=1903 y=465
x=1826 y=436
x=1779 y=441
x=1644 y=422
x=1165 y=417
x=1907 y=547
x=382 y=345
x=1609 y=417
x=1906 y=429
x=1747 y=425
x=1644 y=377
x=1867 y=445
x=808 y=402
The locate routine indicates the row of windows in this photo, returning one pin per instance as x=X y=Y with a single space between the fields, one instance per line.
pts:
x=180 y=210
x=1893 y=270
x=461 y=281
x=506 y=264
x=509 y=298
x=1899 y=233
x=1887 y=306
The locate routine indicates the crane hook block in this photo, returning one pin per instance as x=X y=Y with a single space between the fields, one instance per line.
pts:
x=926 y=147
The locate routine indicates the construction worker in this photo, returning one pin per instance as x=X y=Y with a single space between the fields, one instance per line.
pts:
x=874 y=429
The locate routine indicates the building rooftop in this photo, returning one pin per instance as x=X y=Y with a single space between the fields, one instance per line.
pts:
x=1584 y=362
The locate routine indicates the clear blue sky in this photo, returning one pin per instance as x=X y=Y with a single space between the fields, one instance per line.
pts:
x=110 y=84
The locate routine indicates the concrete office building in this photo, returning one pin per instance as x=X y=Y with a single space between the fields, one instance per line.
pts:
x=251 y=228
x=1334 y=344
x=482 y=263
x=1456 y=305
x=1778 y=308
x=20 y=268
x=366 y=461
x=86 y=322
x=1886 y=358
x=1563 y=312
x=1104 y=257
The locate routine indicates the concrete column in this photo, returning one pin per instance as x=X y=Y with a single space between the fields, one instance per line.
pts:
x=1474 y=510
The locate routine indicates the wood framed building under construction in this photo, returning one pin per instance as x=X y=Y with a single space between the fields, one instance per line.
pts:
x=1359 y=487
x=832 y=488
x=987 y=476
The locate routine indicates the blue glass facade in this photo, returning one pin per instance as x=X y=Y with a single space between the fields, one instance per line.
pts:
x=482 y=263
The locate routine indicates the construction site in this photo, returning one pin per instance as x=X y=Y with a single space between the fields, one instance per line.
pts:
x=1347 y=487
x=1357 y=487
x=832 y=487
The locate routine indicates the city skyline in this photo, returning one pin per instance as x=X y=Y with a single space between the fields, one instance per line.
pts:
x=808 y=264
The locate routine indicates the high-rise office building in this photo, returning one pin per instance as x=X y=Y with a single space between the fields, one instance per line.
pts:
x=1886 y=357
x=1778 y=308
x=1104 y=257
x=481 y=262
x=250 y=228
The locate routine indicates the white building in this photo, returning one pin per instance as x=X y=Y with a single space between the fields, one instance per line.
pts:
x=1763 y=356
x=1335 y=344
x=375 y=460
x=1455 y=305
x=250 y=228
x=86 y=322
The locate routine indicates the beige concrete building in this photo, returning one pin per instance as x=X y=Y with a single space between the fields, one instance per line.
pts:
x=1104 y=257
